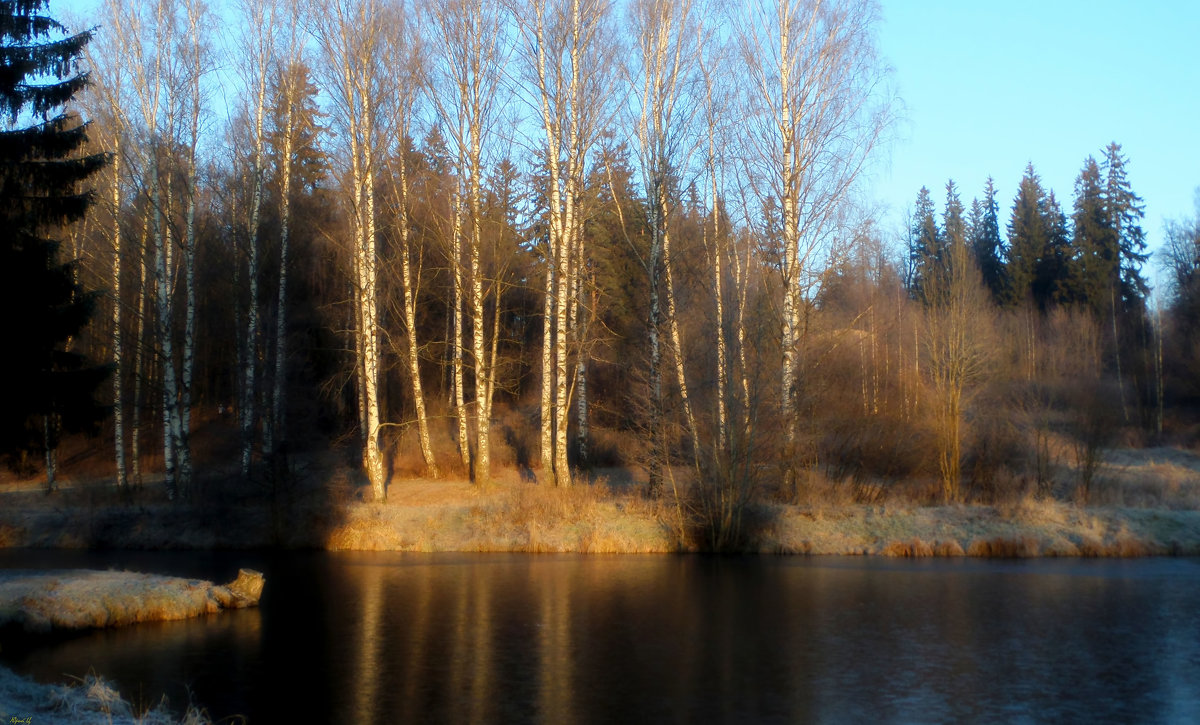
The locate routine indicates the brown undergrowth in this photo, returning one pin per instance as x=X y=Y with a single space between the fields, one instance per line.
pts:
x=323 y=506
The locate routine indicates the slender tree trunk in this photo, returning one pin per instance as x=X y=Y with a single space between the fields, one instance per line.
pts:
x=1112 y=296
x=117 y=353
x=410 y=324
x=582 y=428
x=278 y=426
x=722 y=359
x=483 y=403
x=165 y=348
x=676 y=344
x=48 y=436
x=547 y=409
x=184 y=418
x=658 y=452
x=135 y=433
x=460 y=412
x=370 y=332
x=250 y=372
x=562 y=305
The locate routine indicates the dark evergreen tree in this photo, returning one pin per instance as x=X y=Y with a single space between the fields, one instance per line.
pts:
x=1027 y=238
x=1095 y=258
x=1053 y=281
x=1038 y=245
x=1125 y=212
x=952 y=235
x=48 y=385
x=986 y=242
x=924 y=241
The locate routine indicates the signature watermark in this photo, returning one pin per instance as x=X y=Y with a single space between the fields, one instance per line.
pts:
x=20 y=721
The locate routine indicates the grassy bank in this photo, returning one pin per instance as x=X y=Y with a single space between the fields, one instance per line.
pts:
x=1149 y=504
x=90 y=699
x=82 y=599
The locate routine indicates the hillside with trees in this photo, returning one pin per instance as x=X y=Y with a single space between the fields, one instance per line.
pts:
x=539 y=240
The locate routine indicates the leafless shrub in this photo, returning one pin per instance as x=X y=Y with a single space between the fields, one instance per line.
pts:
x=1094 y=424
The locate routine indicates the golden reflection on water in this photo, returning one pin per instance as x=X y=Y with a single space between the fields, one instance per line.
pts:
x=368 y=638
x=554 y=646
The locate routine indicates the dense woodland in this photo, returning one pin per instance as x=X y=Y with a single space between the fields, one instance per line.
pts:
x=450 y=237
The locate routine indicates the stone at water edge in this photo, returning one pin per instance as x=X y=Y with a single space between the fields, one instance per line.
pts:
x=247 y=588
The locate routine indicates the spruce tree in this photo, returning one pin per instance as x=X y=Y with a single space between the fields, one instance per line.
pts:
x=1038 y=245
x=1125 y=212
x=987 y=244
x=923 y=243
x=48 y=385
x=1027 y=238
x=953 y=235
x=1095 y=259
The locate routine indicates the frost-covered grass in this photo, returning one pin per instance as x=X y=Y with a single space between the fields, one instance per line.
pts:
x=1143 y=501
x=81 y=599
x=89 y=699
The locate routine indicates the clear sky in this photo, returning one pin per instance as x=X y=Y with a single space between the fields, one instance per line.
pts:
x=988 y=86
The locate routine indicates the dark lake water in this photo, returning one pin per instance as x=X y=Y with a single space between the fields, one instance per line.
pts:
x=462 y=638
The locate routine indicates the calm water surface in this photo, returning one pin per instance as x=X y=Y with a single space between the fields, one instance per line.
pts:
x=360 y=638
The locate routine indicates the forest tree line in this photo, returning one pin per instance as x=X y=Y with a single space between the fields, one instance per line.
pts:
x=558 y=234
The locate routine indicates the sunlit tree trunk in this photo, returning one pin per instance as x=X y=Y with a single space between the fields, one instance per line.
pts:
x=816 y=109
x=352 y=40
x=546 y=425
x=409 y=283
x=459 y=393
x=277 y=429
x=464 y=86
x=666 y=49
x=258 y=22
x=117 y=349
x=166 y=357
x=195 y=68
x=135 y=432
x=566 y=49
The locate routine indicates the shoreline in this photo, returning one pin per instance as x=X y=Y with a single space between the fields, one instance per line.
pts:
x=455 y=516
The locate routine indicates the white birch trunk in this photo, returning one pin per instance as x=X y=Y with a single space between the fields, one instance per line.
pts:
x=117 y=352
x=162 y=250
x=250 y=372
x=547 y=407
x=722 y=359
x=676 y=344
x=278 y=425
x=459 y=395
x=135 y=433
x=368 y=280
x=410 y=323
x=483 y=407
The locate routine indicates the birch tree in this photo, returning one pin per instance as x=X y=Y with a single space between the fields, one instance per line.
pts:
x=666 y=54
x=815 y=110
x=147 y=52
x=566 y=48
x=408 y=68
x=352 y=41
x=107 y=96
x=468 y=71
x=292 y=124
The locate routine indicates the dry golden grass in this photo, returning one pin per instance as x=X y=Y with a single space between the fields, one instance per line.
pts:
x=909 y=549
x=1004 y=548
x=1144 y=510
x=506 y=516
x=70 y=600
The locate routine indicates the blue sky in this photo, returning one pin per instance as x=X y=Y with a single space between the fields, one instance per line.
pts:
x=989 y=86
